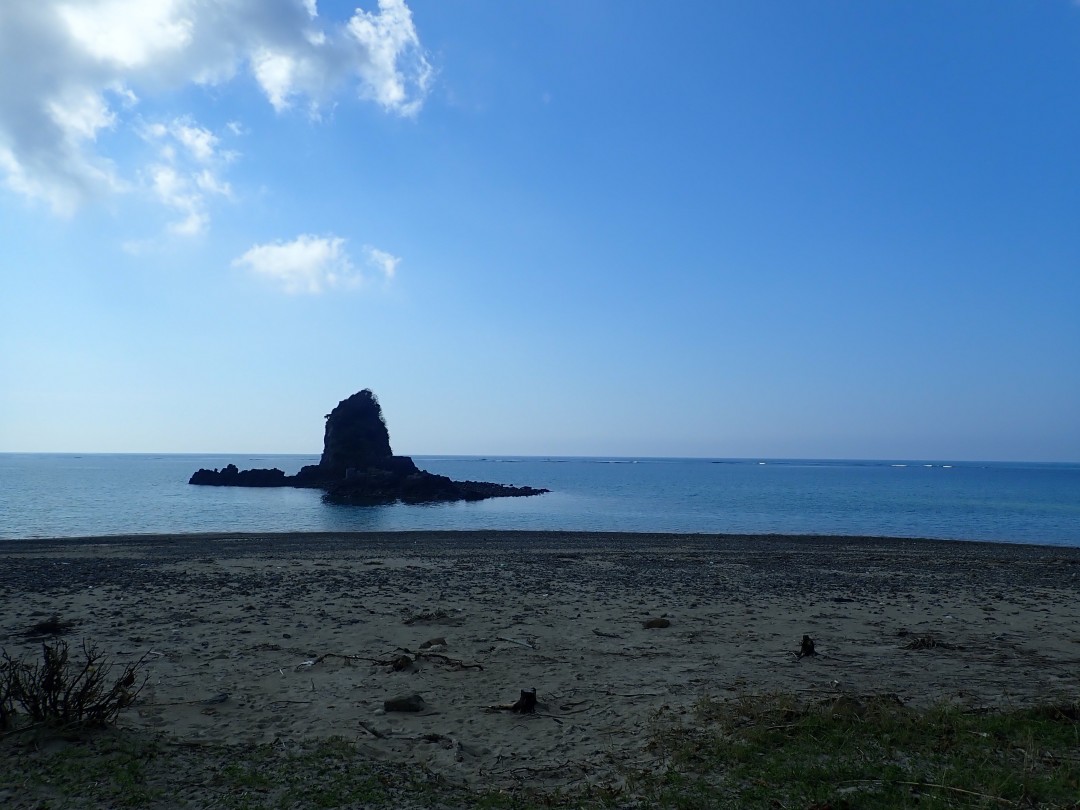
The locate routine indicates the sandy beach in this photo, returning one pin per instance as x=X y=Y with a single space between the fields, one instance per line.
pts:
x=281 y=639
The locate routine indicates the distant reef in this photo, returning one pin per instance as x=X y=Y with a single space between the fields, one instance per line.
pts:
x=358 y=467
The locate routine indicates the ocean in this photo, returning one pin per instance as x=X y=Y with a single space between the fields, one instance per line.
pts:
x=61 y=495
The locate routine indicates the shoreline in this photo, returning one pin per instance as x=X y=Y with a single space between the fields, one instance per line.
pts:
x=470 y=537
x=257 y=638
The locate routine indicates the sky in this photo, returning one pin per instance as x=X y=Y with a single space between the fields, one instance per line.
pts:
x=778 y=229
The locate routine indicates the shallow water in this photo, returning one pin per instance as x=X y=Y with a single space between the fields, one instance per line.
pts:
x=57 y=495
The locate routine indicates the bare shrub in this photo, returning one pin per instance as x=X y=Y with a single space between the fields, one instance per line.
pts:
x=58 y=692
x=7 y=693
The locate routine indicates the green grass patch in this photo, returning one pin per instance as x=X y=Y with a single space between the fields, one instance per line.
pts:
x=864 y=752
x=103 y=769
x=752 y=752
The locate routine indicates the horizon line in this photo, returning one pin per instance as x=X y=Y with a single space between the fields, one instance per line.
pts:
x=530 y=456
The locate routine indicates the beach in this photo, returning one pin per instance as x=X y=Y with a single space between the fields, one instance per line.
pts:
x=284 y=639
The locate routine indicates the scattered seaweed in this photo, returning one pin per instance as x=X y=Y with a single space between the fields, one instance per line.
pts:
x=928 y=642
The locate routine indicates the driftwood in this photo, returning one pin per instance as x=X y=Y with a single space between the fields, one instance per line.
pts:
x=526 y=643
x=434 y=617
x=928 y=642
x=374 y=732
x=401 y=662
x=602 y=634
x=452 y=662
x=526 y=704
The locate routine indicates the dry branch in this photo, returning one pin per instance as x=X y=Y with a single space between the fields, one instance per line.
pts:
x=59 y=693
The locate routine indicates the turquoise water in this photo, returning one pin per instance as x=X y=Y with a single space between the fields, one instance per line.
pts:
x=77 y=495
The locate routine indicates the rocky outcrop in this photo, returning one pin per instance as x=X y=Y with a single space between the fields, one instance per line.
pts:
x=356 y=435
x=230 y=476
x=357 y=466
x=377 y=486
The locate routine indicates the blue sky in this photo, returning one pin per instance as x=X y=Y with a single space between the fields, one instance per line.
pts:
x=768 y=229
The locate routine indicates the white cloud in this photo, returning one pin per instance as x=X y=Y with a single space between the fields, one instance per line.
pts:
x=275 y=74
x=81 y=115
x=389 y=39
x=200 y=142
x=124 y=33
x=74 y=69
x=307 y=264
x=385 y=264
x=186 y=173
x=314 y=264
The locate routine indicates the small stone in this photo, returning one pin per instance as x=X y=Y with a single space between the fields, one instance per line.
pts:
x=405 y=703
x=654 y=624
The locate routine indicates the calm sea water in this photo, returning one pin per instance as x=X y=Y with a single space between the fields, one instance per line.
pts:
x=77 y=495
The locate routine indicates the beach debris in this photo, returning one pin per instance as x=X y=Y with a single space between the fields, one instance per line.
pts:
x=526 y=704
x=403 y=661
x=806 y=648
x=439 y=616
x=374 y=732
x=50 y=628
x=455 y=663
x=405 y=703
x=928 y=642
x=525 y=643
x=602 y=634
x=655 y=624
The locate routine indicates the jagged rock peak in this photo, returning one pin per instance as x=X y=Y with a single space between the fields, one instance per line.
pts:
x=356 y=435
x=358 y=467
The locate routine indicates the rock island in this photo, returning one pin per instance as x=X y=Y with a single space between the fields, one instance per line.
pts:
x=358 y=467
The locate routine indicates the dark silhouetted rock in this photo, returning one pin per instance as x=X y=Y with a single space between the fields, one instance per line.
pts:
x=375 y=486
x=358 y=467
x=356 y=436
x=230 y=476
